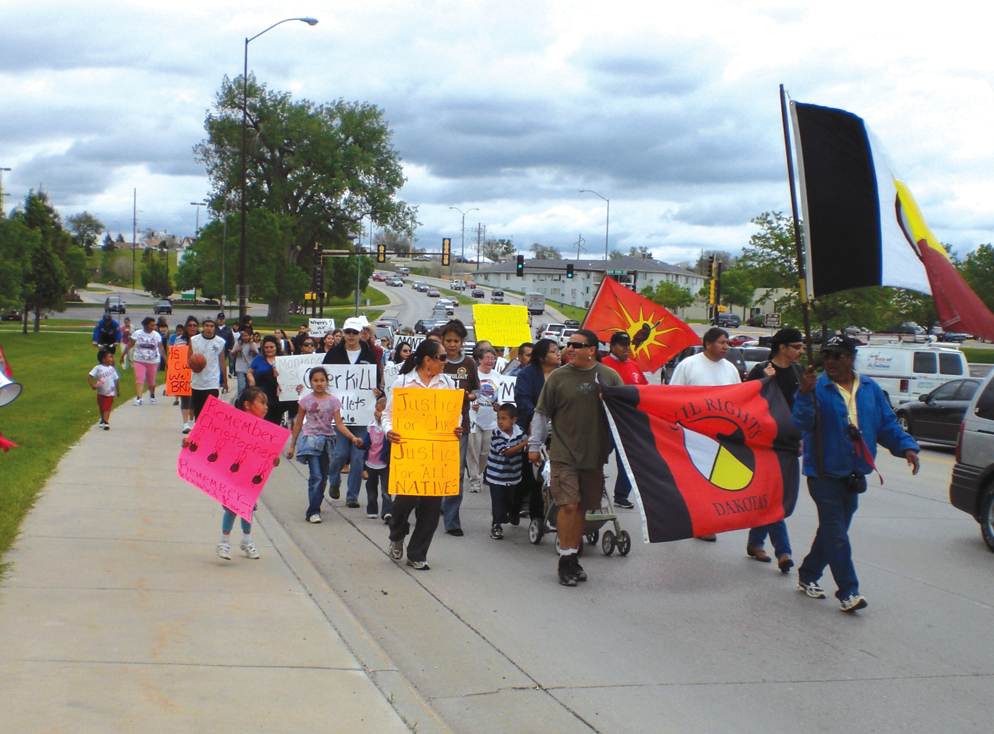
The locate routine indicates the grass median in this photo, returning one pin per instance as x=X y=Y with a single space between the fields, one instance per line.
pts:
x=54 y=410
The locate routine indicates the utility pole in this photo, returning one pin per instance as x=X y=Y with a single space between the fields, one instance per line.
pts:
x=134 y=239
x=579 y=246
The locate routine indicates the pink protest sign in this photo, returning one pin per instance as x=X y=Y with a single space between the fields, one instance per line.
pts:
x=230 y=455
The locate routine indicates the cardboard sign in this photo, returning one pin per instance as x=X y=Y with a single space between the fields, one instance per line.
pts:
x=230 y=455
x=413 y=339
x=353 y=384
x=319 y=327
x=496 y=389
x=426 y=462
x=390 y=374
x=502 y=326
x=178 y=374
x=293 y=372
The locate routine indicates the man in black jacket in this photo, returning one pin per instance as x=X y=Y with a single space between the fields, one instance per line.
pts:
x=351 y=350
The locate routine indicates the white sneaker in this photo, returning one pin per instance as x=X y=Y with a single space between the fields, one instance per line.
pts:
x=396 y=550
x=224 y=551
x=152 y=399
x=315 y=519
x=249 y=550
x=138 y=401
x=187 y=427
x=371 y=515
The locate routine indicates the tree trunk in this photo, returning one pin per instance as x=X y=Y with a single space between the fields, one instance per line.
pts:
x=24 y=319
x=37 y=320
x=279 y=312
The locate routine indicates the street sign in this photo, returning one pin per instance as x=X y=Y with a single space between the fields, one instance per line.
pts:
x=773 y=320
x=617 y=272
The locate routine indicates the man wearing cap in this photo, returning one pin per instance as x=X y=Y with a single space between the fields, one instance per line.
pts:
x=786 y=348
x=853 y=417
x=631 y=374
x=224 y=331
x=351 y=350
x=708 y=369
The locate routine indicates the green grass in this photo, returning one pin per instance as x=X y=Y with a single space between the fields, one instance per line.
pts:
x=463 y=300
x=570 y=312
x=55 y=409
x=979 y=356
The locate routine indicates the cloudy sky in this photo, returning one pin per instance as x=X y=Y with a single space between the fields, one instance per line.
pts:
x=670 y=110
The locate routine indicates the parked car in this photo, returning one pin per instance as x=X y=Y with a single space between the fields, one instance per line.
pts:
x=953 y=337
x=753 y=356
x=737 y=340
x=11 y=315
x=727 y=320
x=163 y=305
x=906 y=370
x=564 y=337
x=433 y=293
x=115 y=304
x=936 y=416
x=734 y=356
x=972 y=486
x=478 y=293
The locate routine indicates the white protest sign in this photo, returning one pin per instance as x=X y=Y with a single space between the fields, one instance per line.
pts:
x=413 y=339
x=319 y=327
x=292 y=373
x=353 y=384
x=390 y=374
x=496 y=389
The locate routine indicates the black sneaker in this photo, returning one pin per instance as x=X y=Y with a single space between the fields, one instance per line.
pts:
x=334 y=492
x=457 y=532
x=578 y=571
x=354 y=504
x=497 y=533
x=624 y=504
x=566 y=575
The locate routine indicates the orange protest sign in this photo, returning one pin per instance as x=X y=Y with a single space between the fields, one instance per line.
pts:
x=426 y=462
x=177 y=372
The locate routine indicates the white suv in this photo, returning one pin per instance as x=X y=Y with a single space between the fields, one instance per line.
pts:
x=553 y=331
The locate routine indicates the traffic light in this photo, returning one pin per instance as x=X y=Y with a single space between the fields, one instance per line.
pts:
x=319 y=280
x=446 y=251
x=521 y=266
x=711 y=265
x=569 y=270
x=381 y=253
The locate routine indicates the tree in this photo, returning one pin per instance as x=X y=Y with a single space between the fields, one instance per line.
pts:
x=545 y=253
x=737 y=287
x=978 y=272
x=86 y=230
x=155 y=276
x=398 y=242
x=17 y=246
x=108 y=244
x=120 y=237
x=642 y=252
x=56 y=265
x=616 y=255
x=323 y=167
x=188 y=272
x=669 y=295
x=701 y=266
x=497 y=250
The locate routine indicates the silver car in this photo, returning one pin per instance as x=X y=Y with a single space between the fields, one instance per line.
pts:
x=972 y=487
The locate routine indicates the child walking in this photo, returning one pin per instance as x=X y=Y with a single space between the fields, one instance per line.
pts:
x=377 y=465
x=507 y=447
x=323 y=413
x=104 y=379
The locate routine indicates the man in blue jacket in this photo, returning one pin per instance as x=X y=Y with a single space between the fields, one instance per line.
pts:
x=853 y=417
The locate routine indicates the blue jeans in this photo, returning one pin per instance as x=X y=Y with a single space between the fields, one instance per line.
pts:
x=242 y=378
x=778 y=536
x=836 y=506
x=318 y=465
x=451 y=504
x=228 y=522
x=622 y=485
x=345 y=450
x=378 y=483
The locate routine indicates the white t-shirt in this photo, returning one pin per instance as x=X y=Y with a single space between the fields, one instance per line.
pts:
x=486 y=417
x=353 y=356
x=212 y=349
x=146 y=347
x=700 y=370
x=106 y=377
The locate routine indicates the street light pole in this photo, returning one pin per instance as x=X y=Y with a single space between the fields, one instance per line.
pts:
x=198 y=204
x=242 y=296
x=2 y=194
x=607 y=225
x=464 y=213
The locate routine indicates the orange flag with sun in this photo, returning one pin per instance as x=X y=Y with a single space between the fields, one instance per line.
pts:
x=657 y=335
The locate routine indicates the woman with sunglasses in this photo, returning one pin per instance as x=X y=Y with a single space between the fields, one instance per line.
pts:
x=262 y=373
x=423 y=370
x=531 y=380
x=401 y=353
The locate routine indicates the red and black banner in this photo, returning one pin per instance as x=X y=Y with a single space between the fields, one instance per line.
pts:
x=706 y=459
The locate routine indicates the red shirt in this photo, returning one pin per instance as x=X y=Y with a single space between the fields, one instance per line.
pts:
x=629 y=370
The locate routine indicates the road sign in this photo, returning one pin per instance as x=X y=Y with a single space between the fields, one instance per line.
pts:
x=773 y=320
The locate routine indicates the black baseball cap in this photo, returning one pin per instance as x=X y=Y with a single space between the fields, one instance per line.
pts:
x=841 y=344
x=620 y=337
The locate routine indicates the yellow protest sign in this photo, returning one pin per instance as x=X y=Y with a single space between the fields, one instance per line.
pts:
x=426 y=462
x=502 y=326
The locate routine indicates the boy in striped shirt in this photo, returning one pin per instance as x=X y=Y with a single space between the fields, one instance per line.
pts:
x=504 y=462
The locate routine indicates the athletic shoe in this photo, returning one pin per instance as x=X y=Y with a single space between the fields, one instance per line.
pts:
x=474 y=491
x=314 y=519
x=151 y=399
x=396 y=550
x=853 y=602
x=372 y=515
x=249 y=549
x=106 y=426
x=418 y=565
x=457 y=532
x=578 y=571
x=566 y=575
x=138 y=401
x=101 y=422
x=176 y=401
x=354 y=504
x=187 y=427
x=785 y=562
x=811 y=589
x=624 y=504
x=387 y=518
x=224 y=551
x=497 y=533
x=334 y=492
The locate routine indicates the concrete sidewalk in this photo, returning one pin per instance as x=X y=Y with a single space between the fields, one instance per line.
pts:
x=117 y=616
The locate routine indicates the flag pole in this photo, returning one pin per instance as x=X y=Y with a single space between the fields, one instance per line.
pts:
x=801 y=274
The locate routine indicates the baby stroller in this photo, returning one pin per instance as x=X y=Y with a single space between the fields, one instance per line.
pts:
x=595 y=520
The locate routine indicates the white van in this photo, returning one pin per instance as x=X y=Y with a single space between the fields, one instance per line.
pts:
x=905 y=370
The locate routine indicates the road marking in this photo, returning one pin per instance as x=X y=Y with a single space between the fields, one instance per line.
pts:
x=938 y=461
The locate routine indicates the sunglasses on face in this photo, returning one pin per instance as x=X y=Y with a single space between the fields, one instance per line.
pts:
x=579 y=345
x=308 y=344
x=441 y=357
x=350 y=331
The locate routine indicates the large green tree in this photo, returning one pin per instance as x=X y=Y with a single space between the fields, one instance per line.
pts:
x=497 y=250
x=155 y=276
x=978 y=272
x=323 y=167
x=17 y=245
x=542 y=252
x=669 y=295
x=737 y=287
x=56 y=264
x=85 y=229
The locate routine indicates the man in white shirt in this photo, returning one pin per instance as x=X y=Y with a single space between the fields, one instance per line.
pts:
x=215 y=374
x=708 y=369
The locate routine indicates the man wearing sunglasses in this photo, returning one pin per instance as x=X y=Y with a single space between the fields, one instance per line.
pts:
x=351 y=350
x=581 y=441
x=853 y=417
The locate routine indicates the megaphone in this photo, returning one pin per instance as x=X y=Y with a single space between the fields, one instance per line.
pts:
x=9 y=390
